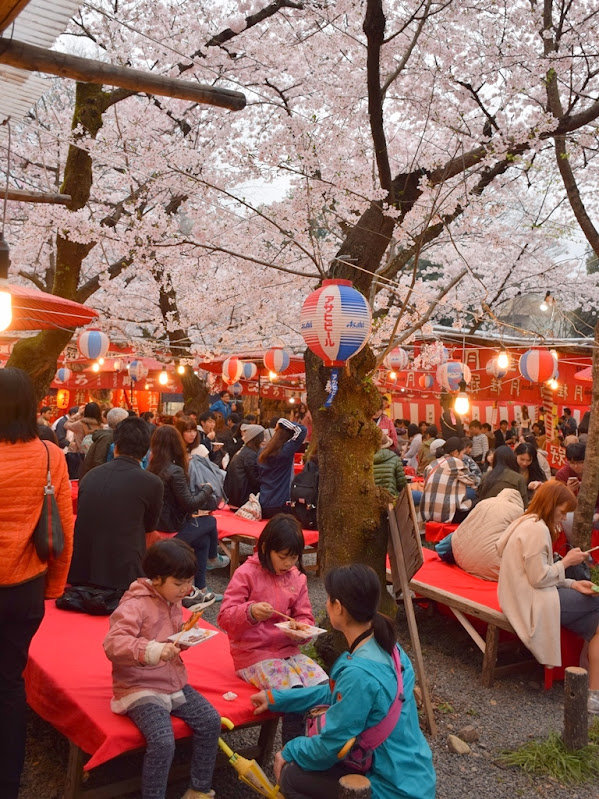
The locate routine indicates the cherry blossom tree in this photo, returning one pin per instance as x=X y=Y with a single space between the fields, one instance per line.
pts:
x=387 y=131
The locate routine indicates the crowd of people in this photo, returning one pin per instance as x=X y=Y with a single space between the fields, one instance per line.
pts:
x=144 y=541
x=141 y=545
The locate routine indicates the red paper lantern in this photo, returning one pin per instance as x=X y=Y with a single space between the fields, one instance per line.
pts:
x=62 y=398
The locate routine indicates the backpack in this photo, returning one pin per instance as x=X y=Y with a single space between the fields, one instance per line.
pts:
x=304 y=496
x=202 y=471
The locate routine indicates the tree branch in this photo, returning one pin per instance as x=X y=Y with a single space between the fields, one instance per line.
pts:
x=404 y=60
x=424 y=319
x=374 y=28
x=85 y=291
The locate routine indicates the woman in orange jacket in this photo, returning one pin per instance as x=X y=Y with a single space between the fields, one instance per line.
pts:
x=25 y=580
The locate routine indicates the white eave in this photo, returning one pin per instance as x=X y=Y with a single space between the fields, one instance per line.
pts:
x=40 y=23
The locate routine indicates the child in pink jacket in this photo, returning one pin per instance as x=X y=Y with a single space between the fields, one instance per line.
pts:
x=149 y=677
x=271 y=580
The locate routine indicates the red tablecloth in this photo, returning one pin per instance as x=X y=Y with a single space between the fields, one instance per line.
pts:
x=228 y=524
x=453 y=579
x=436 y=531
x=68 y=682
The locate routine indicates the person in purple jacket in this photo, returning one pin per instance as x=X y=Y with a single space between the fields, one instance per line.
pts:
x=272 y=584
x=275 y=466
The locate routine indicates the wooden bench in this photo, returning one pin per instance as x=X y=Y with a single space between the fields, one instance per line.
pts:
x=470 y=597
x=69 y=684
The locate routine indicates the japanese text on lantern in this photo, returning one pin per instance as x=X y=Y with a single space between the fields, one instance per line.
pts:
x=329 y=302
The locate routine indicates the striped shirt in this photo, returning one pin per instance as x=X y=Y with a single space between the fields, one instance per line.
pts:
x=480 y=446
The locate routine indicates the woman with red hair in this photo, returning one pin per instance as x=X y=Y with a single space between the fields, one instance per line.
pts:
x=534 y=592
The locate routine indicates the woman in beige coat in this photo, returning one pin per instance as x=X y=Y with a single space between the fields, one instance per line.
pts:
x=534 y=592
x=474 y=543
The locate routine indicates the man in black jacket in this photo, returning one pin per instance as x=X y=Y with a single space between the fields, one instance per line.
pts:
x=118 y=504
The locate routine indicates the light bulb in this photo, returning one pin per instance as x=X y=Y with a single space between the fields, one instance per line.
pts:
x=5 y=307
x=553 y=384
x=101 y=361
x=147 y=386
x=291 y=400
x=393 y=375
x=117 y=365
x=462 y=403
x=543 y=306
x=95 y=367
x=163 y=378
x=272 y=375
x=181 y=369
x=503 y=360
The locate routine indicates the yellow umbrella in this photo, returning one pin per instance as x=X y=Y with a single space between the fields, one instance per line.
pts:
x=248 y=770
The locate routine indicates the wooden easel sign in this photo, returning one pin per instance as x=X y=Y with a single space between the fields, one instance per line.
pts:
x=405 y=556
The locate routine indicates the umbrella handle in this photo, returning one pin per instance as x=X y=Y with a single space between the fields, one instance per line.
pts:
x=224 y=746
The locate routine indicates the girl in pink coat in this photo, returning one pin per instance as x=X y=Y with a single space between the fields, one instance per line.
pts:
x=149 y=677
x=271 y=580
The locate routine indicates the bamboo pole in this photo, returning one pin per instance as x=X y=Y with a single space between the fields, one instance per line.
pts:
x=23 y=196
x=10 y=10
x=88 y=70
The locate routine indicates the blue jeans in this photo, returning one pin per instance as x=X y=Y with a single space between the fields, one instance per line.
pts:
x=202 y=536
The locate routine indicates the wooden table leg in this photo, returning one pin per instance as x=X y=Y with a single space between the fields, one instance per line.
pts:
x=74 y=775
x=266 y=740
x=490 y=656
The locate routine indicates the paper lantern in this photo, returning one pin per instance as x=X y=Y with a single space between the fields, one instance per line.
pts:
x=232 y=370
x=492 y=368
x=538 y=366
x=137 y=370
x=62 y=398
x=277 y=360
x=93 y=344
x=397 y=360
x=335 y=321
x=449 y=375
x=250 y=370
x=236 y=389
x=63 y=375
x=426 y=381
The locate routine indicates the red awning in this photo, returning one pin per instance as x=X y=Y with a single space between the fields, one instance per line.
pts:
x=37 y=310
x=585 y=374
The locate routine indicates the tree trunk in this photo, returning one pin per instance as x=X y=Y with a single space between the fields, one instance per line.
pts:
x=195 y=393
x=349 y=504
x=587 y=496
x=39 y=355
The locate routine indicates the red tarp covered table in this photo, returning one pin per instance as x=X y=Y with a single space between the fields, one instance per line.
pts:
x=246 y=531
x=481 y=594
x=69 y=684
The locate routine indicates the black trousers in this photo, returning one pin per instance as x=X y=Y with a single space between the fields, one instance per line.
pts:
x=21 y=612
x=299 y=784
